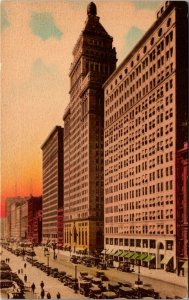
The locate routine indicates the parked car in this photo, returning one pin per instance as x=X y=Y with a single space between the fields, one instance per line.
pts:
x=128 y=293
x=102 y=266
x=95 y=293
x=84 y=288
x=109 y=295
x=15 y=295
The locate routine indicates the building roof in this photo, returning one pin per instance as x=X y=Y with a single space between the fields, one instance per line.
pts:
x=56 y=128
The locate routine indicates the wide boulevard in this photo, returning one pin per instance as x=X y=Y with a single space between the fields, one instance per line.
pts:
x=167 y=284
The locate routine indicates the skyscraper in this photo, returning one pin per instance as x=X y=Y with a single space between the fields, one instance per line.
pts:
x=94 y=61
x=52 y=199
x=145 y=126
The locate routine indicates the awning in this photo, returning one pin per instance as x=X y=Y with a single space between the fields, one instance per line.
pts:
x=114 y=252
x=109 y=250
x=123 y=254
x=185 y=265
x=129 y=254
x=142 y=256
x=118 y=253
x=166 y=259
x=149 y=258
x=103 y=251
x=135 y=255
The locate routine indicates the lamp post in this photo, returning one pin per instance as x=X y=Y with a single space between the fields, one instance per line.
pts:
x=138 y=282
x=47 y=255
x=54 y=248
x=76 y=286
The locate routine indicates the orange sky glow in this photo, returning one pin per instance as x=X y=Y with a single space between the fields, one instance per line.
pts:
x=37 y=40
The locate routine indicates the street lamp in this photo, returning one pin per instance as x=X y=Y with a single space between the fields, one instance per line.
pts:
x=139 y=282
x=76 y=285
x=54 y=248
x=47 y=255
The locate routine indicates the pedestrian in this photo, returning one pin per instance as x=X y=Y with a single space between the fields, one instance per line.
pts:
x=25 y=265
x=58 y=295
x=33 y=287
x=21 y=270
x=48 y=295
x=25 y=278
x=42 y=294
x=18 y=271
x=42 y=285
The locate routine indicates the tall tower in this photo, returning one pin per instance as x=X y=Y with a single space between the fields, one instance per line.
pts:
x=94 y=61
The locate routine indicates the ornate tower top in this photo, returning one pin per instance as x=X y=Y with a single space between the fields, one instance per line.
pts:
x=91 y=9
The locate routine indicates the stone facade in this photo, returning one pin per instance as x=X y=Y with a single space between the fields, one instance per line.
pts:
x=94 y=61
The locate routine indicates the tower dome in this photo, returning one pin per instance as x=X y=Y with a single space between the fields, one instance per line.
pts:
x=91 y=9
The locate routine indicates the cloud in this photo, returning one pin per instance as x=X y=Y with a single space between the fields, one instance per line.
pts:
x=131 y=38
x=42 y=24
x=40 y=69
x=151 y=5
x=4 y=19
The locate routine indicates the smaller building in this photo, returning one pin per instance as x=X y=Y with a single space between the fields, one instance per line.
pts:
x=52 y=152
x=182 y=208
x=35 y=219
x=24 y=221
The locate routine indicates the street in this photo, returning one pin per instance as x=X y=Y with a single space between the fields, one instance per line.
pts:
x=176 y=288
x=53 y=286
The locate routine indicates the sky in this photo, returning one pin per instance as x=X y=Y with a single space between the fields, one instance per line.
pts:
x=37 y=39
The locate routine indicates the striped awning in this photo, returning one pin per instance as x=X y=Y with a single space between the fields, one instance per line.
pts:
x=109 y=250
x=142 y=256
x=114 y=252
x=119 y=252
x=103 y=251
x=135 y=255
x=129 y=254
x=149 y=258
x=166 y=259
x=123 y=254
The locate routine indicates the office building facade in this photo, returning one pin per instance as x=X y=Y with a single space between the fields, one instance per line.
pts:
x=145 y=113
x=52 y=199
x=34 y=205
x=94 y=61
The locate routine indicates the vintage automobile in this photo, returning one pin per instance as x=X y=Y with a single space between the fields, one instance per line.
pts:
x=102 y=266
x=5 y=283
x=127 y=292
x=88 y=278
x=15 y=295
x=84 y=288
x=96 y=281
x=53 y=270
x=95 y=292
x=99 y=273
x=113 y=287
x=109 y=295
x=83 y=274
x=125 y=267
x=147 y=291
x=125 y=283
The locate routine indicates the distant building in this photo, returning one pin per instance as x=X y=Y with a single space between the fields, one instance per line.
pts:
x=2 y=228
x=182 y=206
x=145 y=113
x=52 y=150
x=8 y=203
x=24 y=221
x=35 y=220
x=94 y=61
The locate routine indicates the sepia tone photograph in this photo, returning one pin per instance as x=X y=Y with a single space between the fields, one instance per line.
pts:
x=94 y=149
